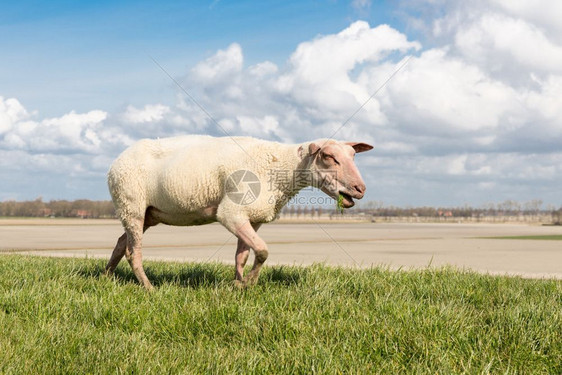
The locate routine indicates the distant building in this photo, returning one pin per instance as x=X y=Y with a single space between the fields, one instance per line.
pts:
x=444 y=213
x=83 y=214
x=45 y=212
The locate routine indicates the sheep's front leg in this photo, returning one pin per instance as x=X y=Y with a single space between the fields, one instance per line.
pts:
x=242 y=229
x=242 y=253
x=246 y=233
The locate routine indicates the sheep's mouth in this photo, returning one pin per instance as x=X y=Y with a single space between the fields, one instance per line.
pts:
x=347 y=200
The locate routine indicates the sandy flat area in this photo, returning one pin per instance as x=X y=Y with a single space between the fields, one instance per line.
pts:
x=394 y=245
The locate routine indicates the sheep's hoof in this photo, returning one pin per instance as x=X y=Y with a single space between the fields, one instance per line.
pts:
x=250 y=280
x=238 y=284
x=149 y=288
x=108 y=273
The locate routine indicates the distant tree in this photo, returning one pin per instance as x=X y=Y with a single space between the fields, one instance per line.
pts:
x=105 y=209
x=292 y=210
x=536 y=205
x=8 y=208
x=557 y=216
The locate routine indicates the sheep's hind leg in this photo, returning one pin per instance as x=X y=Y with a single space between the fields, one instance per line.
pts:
x=133 y=253
x=121 y=246
x=117 y=254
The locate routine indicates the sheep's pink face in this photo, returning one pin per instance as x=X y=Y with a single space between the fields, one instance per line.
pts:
x=335 y=169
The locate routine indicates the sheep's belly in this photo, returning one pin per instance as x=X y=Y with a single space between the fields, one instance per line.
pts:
x=205 y=215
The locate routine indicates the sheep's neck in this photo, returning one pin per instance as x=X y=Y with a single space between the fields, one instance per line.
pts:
x=287 y=174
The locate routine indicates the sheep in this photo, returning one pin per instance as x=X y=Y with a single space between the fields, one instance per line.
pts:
x=241 y=182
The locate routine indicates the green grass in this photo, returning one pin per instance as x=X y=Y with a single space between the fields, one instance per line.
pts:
x=549 y=237
x=61 y=316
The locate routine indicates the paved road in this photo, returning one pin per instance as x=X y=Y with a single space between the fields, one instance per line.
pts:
x=393 y=245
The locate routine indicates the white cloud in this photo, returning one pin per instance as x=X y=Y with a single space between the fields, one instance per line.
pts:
x=221 y=65
x=72 y=132
x=320 y=70
x=263 y=128
x=497 y=41
x=548 y=101
x=442 y=95
x=546 y=14
x=462 y=178
x=11 y=112
x=150 y=113
x=312 y=96
x=263 y=69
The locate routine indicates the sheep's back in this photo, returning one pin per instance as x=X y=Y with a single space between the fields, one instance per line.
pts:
x=190 y=172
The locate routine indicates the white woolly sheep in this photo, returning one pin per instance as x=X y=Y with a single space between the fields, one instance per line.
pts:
x=240 y=182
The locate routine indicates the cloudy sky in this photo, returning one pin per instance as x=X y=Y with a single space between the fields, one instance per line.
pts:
x=474 y=116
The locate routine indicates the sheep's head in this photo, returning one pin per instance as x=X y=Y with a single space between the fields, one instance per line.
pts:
x=334 y=171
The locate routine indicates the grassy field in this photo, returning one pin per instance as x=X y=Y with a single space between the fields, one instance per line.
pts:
x=61 y=316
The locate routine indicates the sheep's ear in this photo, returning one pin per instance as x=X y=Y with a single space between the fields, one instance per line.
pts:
x=359 y=147
x=313 y=148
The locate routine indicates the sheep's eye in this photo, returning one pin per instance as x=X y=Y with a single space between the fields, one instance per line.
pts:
x=327 y=156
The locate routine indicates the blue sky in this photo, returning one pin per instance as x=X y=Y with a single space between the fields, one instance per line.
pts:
x=474 y=117
x=63 y=55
